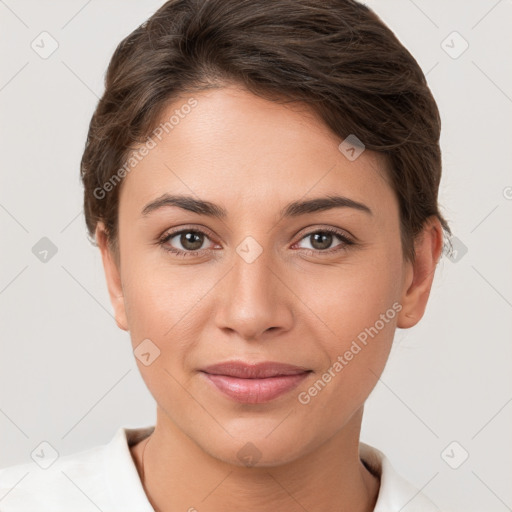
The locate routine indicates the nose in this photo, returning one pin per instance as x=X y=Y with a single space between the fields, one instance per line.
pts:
x=253 y=300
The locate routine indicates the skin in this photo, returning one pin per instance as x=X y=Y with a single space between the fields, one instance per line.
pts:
x=252 y=157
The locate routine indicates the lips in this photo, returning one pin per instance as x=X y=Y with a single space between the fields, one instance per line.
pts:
x=253 y=371
x=254 y=383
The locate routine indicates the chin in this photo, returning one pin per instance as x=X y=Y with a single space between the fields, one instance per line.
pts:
x=258 y=454
x=259 y=444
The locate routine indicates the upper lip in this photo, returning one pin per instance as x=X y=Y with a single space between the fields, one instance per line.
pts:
x=253 y=370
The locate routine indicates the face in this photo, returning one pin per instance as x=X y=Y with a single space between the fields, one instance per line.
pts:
x=316 y=285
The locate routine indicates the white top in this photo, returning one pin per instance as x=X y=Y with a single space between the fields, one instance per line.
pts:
x=105 y=478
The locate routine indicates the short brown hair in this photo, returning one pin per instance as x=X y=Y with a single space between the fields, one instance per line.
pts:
x=336 y=56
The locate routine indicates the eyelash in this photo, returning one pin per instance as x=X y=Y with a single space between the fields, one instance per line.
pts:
x=346 y=242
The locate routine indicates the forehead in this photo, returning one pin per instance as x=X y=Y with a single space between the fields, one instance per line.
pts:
x=226 y=144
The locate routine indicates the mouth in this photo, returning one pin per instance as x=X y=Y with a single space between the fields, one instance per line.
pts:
x=254 y=383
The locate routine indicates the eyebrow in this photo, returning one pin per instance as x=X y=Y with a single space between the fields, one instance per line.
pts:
x=293 y=209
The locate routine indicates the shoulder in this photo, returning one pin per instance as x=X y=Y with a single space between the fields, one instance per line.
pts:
x=100 y=478
x=395 y=493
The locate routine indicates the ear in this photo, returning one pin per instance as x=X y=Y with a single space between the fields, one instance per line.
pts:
x=113 y=277
x=420 y=274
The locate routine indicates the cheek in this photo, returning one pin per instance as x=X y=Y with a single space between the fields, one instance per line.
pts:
x=357 y=344
x=354 y=323
x=163 y=308
x=353 y=297
x=166 y=303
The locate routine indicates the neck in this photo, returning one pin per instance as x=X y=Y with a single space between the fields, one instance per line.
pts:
x=178 y=475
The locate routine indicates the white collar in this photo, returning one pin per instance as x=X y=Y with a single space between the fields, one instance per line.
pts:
x=395 y=493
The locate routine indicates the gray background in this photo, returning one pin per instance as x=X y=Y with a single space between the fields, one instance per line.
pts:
x=67 y=373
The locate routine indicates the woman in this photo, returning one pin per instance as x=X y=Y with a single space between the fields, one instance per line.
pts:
x=261 y=179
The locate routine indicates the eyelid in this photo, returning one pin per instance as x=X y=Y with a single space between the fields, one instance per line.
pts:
x=315 y=228
x=169 y=234
x=195 y=228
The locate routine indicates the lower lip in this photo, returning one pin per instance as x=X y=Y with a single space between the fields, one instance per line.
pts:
x=255 y=391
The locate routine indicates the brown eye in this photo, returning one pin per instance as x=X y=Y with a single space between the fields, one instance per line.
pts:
x=323 y=241
x=186 y=242
x=191 y=240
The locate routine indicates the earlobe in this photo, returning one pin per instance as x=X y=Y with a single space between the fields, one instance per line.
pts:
x=420 y=274
x=112 y=276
